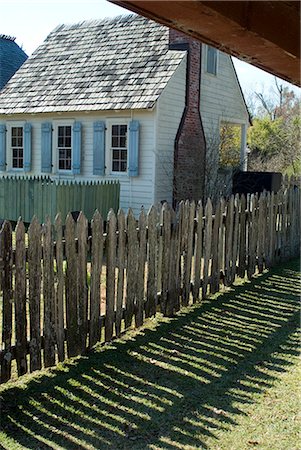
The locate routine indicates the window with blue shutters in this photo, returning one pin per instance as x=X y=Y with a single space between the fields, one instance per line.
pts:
x=211 y=60
x=68 y=143
x=20 y=143
x=119 y=148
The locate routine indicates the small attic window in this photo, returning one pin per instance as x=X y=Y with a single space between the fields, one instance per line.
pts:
x=211 y=60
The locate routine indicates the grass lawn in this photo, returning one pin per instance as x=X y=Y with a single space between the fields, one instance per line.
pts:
x=220 y=375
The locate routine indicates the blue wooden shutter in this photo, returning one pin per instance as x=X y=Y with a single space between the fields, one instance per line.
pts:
x=2 y=147
x=134 y=148
x=27 y=147
x=99 y=148
x=211 y=60
x=76 y=147
x=46 y=147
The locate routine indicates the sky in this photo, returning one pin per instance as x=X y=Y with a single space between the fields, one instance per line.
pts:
x=30 y=21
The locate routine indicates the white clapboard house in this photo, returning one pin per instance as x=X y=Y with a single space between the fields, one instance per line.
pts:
x=122 y=98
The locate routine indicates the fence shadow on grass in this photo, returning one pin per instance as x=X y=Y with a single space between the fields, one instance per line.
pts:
x=172 y=387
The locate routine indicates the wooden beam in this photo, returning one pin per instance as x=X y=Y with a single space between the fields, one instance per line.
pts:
x=265 y=34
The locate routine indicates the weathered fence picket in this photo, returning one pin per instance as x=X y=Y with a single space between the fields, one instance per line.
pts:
x=151 y=295
x=132 y=257
x=207 y=246
x=59 y=292
x=111 y=264
x=7 y=294
x=82 y=288
x=198 y=254
x=121 y=252
x=34 y=275
x=139 y=316
x=20 y=300
x=48 y=295
x=96 y=269
x=73 y=339
x=165 y=258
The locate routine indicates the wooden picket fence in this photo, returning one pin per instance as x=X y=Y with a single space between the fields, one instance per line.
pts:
x=63 y=291
x=29 y=196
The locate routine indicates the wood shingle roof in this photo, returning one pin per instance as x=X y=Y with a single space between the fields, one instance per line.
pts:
x=120 y=63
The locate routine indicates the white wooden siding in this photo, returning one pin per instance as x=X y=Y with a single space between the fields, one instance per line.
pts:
x=170 y=108
x=135 y=192
x=220 y=100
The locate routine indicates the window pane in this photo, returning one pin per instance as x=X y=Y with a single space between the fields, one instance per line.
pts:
x=211 y=60
x=115 y=166
x=123 y=155
x=115 y=154
x=17 y=160
x=123 y=166
x=114 y=141
x=68 y=131
x=122 y=142
x=115 y=130
x=68 y=141
x=123 y=130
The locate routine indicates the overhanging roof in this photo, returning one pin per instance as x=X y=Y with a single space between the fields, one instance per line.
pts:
x=265 y=34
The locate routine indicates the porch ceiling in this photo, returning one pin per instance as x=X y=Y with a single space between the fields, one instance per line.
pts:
x=263 y=33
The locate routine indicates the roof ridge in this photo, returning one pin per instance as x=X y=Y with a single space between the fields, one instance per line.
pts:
x=97 y=22
x=7 y=37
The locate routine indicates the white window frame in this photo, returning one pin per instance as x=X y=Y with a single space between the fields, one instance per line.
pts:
x=206 y=61
x=55 y=147
x=109 y=148
x=9 y=152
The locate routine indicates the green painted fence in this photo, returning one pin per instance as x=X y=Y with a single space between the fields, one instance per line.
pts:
x=28 y=196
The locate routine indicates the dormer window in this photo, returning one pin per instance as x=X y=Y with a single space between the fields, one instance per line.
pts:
x=211 y=60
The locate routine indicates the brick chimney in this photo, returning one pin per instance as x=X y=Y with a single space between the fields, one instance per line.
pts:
x=190 y=144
